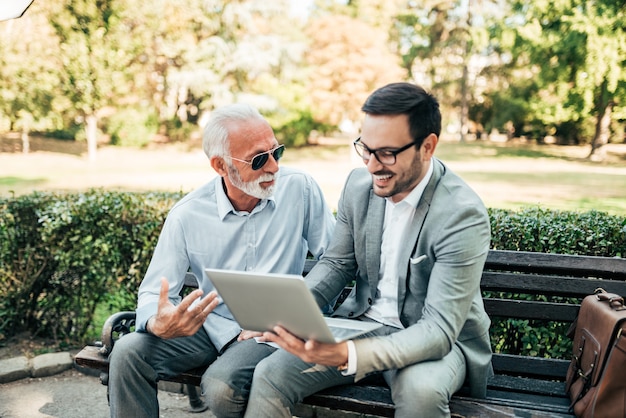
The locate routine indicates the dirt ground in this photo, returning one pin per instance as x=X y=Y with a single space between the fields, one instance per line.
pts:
x=26 y=345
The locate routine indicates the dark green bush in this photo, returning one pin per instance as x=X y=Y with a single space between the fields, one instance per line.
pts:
x=62 y=254
x=564 y=232
x=66 y=257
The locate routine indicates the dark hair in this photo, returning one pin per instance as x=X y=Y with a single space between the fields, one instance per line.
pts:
x=409 y=99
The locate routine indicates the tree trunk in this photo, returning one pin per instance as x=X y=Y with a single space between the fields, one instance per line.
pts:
x=601 y=137
x=92 y=136
x=465 y=79
x=604 y=106
x=25 y=141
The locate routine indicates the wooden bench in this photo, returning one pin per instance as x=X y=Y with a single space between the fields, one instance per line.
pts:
x=522 y=385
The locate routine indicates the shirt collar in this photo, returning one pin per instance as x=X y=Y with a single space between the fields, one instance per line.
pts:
x=224 y=205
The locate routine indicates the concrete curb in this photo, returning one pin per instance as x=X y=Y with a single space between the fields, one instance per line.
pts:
x=40 y=366
x=45 y=365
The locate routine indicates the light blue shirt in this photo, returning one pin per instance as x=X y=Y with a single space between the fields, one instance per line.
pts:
x=203 y=230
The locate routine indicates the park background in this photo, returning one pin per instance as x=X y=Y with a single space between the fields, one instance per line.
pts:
x=110 y=96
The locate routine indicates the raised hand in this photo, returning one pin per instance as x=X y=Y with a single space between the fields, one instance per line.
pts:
x=184 y=319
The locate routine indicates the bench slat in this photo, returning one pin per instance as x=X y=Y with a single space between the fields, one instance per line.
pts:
x=549 y=285
x=574 y=265
x=524 y=309
x=530 y=366
x=540 y=405
x=535 y=407
x=526 y=385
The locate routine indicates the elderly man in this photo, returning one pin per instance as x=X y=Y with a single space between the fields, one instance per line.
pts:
x=252 y=216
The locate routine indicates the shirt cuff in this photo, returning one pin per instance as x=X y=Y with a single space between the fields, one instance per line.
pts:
x=351 y=359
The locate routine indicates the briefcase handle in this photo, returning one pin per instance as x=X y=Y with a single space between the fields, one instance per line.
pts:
x=615 y=301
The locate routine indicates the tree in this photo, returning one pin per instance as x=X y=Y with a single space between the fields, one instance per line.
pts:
x=577 y=52
x=349 y=60
x=199 y=54
x=28 y=73
x=95 y=57
x=443 y=45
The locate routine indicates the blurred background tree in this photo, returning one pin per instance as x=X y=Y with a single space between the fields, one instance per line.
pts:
x=134 y=72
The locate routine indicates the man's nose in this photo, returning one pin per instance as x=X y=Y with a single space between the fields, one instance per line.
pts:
x=373 y=164
x=271 y=165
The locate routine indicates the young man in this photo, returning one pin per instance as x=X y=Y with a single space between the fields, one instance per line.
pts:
x=253 y=216
x=415 y=237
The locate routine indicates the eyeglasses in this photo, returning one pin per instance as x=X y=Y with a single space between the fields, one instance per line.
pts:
x=386 y=156
x=258 y=161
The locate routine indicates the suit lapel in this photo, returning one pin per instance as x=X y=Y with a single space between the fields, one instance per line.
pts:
x=374 y=238
x=415 y=229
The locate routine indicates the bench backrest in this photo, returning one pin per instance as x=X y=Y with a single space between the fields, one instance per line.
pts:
x=557 y=276
x=548 y=287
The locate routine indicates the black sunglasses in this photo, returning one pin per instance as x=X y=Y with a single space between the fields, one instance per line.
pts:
x=258 y=161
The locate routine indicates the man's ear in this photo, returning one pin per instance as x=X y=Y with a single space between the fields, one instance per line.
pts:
x=428 y=145
x=219 y=165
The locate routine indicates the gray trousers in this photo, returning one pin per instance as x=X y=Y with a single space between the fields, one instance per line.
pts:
x=139 y=360
x=419 y=390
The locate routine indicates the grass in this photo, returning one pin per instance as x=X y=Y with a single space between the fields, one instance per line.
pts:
x=505 y=175
x=556 y=177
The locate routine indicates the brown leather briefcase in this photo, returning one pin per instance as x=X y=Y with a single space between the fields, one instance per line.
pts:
x=596 y=378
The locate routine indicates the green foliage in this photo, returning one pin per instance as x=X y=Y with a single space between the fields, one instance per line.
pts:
x=133 y=127
x=564 y=232
x=69 y=133
x=61 y=255
x=574 y=53
x=531 y=337
x=295 y=132
x=179 y=131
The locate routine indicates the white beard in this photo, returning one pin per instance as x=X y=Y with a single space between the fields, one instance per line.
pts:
x=252 y=188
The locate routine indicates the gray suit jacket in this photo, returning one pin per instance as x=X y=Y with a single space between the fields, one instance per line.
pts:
x=439 y=298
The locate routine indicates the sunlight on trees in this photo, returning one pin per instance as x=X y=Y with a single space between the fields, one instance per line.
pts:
x=131 y=72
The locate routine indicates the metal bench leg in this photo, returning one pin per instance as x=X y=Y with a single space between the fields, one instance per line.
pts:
x=196 y=405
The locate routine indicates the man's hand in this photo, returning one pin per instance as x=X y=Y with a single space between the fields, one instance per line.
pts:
x=247 y=334
x=183 y=320
x=310 y=351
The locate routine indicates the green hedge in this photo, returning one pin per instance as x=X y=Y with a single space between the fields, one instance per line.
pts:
x=541 y=230
x=61 y=255
x=67 y=257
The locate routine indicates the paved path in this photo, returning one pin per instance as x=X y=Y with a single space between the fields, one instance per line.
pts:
x=72 y=394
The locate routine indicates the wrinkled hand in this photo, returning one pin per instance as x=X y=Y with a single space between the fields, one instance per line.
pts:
x=181 y=320
x=310 y=351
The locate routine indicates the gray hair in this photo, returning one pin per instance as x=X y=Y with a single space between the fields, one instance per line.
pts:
x=215 y=141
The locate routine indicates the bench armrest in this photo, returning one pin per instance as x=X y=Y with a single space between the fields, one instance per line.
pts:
x=114 y=327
